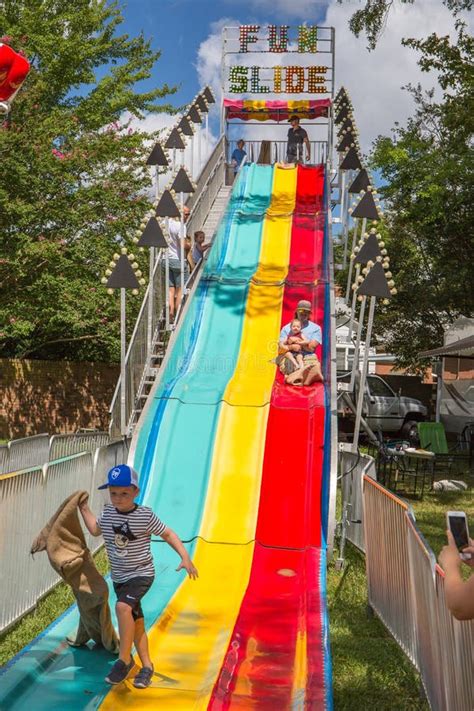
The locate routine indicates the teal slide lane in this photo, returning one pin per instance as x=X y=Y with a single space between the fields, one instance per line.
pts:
x=175 y=443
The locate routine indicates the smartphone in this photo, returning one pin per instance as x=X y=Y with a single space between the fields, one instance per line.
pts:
x=457 y=524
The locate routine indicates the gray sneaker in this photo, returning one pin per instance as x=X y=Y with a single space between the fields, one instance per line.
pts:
x=119 y=672
x=143 y=678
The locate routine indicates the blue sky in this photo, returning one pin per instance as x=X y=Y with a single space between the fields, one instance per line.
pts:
x=177 y=28
x=187 y=32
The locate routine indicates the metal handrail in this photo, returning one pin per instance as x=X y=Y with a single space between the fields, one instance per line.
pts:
x=206 y=190
x=278 y=150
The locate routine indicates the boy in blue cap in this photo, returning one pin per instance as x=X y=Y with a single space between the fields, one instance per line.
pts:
x=127 y=528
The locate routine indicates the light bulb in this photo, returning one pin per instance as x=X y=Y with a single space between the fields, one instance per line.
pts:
x=135 y=292
x=142 y=282
x=110 y=291
x=104 y=280
x=108 y=272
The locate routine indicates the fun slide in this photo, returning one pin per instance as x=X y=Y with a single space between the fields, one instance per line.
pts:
x=237 y=463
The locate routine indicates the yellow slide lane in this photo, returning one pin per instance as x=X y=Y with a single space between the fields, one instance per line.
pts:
x=189 y=641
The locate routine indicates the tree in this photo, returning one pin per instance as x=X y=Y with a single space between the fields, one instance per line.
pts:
x=373 y=17
x=73 y=182
x=428 y=170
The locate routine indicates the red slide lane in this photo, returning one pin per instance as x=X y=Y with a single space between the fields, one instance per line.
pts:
x=276 y=651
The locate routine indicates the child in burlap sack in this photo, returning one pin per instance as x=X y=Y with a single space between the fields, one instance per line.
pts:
x=63 y=540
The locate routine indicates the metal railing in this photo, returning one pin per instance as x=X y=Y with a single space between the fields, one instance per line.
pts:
x=352 y=468
x=278 y=151
x=406 y=587
x=138 y=356
x=28 y=500
x=35 y=451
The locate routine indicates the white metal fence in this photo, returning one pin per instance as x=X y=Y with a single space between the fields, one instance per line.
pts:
x=28 y=499
x=37 y=450
x=406 y=587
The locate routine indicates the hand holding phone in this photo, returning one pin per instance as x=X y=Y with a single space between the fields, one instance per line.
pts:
x=457 y=524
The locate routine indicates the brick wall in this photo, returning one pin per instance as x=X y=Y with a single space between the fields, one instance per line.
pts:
x=54 y=396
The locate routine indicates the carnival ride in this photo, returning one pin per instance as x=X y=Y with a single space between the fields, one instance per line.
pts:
x=238 y=463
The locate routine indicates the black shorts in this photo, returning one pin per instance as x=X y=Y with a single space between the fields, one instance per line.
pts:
x=131 y=592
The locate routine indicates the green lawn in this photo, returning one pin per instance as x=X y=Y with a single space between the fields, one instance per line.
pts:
x=369 y=669
x=55 y=603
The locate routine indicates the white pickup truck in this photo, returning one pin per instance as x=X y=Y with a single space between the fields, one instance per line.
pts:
x=385 y=410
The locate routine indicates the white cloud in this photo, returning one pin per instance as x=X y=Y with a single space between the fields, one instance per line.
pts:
x=288 y=8
x=374 y=79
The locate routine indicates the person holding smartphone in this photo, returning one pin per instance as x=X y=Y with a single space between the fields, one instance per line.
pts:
x=459 y=593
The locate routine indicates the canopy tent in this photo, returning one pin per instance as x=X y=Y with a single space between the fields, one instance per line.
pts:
x=255 y=110
x=462 y=348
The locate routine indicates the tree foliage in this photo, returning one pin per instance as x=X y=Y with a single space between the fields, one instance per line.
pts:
x=73 y=182
x=427 y=167
x=373 y=17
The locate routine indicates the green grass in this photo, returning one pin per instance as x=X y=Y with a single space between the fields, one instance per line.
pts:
x=430 y=514
x=369 y=668
x=53 y=605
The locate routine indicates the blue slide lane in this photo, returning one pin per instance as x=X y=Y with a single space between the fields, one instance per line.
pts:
x=173 y=454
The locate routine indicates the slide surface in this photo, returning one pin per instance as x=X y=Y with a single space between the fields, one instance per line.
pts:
x=233 y=460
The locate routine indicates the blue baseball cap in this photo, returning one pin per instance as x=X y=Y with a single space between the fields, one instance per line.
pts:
x=121 y=475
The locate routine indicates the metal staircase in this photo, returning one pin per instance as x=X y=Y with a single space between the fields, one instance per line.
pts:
x=207 y=204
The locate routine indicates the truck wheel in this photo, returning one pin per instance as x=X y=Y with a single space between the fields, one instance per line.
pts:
x=409 y=431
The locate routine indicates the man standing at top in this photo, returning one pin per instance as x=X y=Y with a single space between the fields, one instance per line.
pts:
x=296 y=137
x=311 y=371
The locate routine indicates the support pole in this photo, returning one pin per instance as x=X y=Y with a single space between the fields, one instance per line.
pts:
x=344 y=216
x=355 y=362
x=199 y=148
x=351 y=263
x=123 y=350
x=151 y=298
x=167 y=291
x=354 y=296
x=181 y=241
x=191 y=161
x=207 y=134
x=363 y=377
x=157 y=181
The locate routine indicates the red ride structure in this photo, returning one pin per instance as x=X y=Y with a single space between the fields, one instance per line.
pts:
x=14 y=68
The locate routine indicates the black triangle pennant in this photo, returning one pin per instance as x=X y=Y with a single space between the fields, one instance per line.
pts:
x=166 y=206
x=342 y=93
x=342 y=115
x=347 y=141
x=194 y=115
x=375 y=283
x=175 y=140
x=351 y=161
x=186 y=126
x=208 y=95
x=348 y=125
x=360 y=182
x=366 y=207
x=123 y=276
x=152 y=235
x=201 y=104
x=182 y=182
x=157 y=156
x=370 y=250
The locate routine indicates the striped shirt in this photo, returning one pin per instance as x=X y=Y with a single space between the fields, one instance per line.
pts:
x=127 y=540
